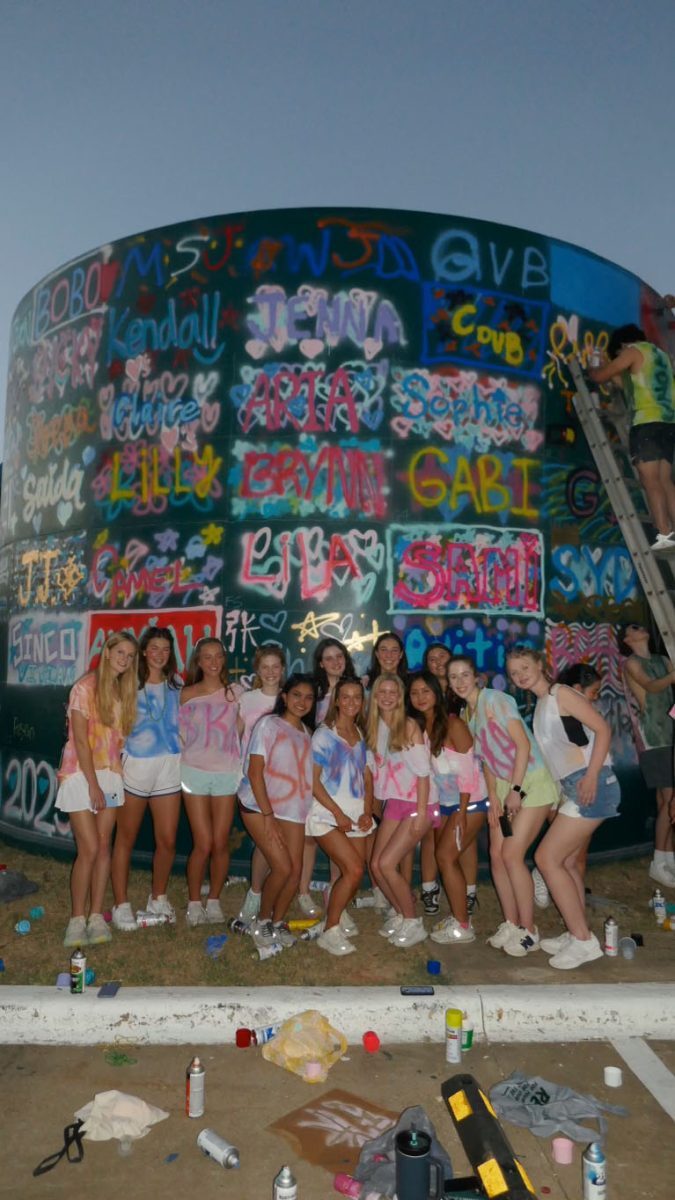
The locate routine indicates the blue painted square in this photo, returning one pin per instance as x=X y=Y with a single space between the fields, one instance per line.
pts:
x=593 y=287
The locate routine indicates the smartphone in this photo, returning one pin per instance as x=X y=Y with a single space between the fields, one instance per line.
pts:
x=420 y=990
x=112 y=800
x=109 y=989
x=505 y=826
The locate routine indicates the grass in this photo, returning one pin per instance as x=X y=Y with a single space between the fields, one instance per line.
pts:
x=176 y=956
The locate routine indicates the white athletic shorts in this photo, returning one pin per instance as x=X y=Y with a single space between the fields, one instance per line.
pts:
x=148 y=777
x=73 y=793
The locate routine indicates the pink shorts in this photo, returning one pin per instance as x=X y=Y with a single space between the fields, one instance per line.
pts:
x=398 y=810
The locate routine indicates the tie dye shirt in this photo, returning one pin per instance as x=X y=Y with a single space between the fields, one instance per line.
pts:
x=106 y=741
x=252 y=706
x=343 y=774
x=493 y=743
x=156 y=729
x=395 y=772
x=208 y=732
x=287 y=772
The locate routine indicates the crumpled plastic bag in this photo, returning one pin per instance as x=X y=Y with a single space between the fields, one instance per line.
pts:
x=14 y=884
x=118 y=1115
x=549 y=1108
x=377 y=1160
x=306 y=1045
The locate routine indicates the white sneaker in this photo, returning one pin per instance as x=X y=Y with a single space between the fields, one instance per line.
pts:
x=391 y=925
x=76 y=932
x=214 y=912
x=521 y=943
x=307 y=905
x=348 y=924
x=160 y=905
x=664 y=541
x=123 y=918
x=196 y=914
x=263 y=933
x=251 y=907
x=334 y=941
x=576 y=953
x=98 y=932
x=542 y=896
x=501 y=935
x=410 y=933
x=554 y=944
x=451 y=931
x=661 y=873
x=283 y=934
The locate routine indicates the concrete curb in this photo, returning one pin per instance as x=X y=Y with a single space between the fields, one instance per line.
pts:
x=209 y=1016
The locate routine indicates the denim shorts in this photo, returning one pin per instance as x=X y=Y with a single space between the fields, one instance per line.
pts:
x=607 y=796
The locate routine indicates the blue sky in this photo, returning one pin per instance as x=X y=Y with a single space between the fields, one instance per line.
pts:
x=116 y=117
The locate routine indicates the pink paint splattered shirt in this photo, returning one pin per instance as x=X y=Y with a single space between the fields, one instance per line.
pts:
x=106 y=741
x=287 y=772
x=208 y=732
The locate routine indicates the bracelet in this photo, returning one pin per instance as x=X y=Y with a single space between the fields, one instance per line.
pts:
x=515 y=787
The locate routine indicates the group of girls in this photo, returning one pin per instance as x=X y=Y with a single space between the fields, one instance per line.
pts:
x=316 y=759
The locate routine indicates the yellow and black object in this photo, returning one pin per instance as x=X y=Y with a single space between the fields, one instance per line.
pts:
x=485 y=1144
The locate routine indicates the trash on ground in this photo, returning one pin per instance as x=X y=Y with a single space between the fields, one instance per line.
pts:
x=14 y=885
x=548 y=1108
x=330 y=1129
x=116 y=1114
x=306 y=1045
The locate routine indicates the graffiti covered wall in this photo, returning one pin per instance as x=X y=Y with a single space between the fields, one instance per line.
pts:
x=289 y=424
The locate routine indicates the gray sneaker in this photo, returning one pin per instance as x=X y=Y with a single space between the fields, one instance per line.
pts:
x=161 y=906
x=76 y=932
x=98 y=933
x=283 y=934
x=264 y=933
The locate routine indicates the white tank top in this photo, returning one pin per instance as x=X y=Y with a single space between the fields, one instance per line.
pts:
x=562 y=756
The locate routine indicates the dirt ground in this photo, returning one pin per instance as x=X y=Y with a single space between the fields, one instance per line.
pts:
x=42 y=1087
x=177 y=955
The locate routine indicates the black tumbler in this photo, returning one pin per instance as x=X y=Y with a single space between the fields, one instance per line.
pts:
x=414 y=1166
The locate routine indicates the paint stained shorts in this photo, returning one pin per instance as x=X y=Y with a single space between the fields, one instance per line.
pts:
x=209 y=783
x=651 y=442
x=73 y=793
x=155 y=776
x=398 y=810
x=607 y=796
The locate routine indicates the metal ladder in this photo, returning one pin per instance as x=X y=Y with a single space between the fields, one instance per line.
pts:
x=656 y=590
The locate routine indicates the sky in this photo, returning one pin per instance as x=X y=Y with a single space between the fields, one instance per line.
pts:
x=120 y=116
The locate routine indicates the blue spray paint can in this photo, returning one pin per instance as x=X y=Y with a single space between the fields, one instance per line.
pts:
x=594 y=1172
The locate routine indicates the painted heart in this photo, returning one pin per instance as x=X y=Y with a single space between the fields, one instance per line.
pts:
x=255 y=348
x=64 y=511
x=169 y=438
x=273 y=622
x=210 y=416
x=371 y=347
x=311 y=347
x=204 y=385
x=133 y=368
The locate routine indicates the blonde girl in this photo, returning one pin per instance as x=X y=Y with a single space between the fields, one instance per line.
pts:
x=210 y=773
x=521 y=792
x=269 y=665
x=101 y=713
x=341 y=814
x=401 y=781
x=590 y=790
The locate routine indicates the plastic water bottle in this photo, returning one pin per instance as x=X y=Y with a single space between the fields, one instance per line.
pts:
x=594 y=1172
x=659 y=906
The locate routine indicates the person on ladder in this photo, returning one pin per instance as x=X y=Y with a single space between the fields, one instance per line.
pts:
x=647 y=377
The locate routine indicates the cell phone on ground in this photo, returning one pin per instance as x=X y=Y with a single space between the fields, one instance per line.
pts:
x=109 y=989
x=419 y=990
x=505 y=826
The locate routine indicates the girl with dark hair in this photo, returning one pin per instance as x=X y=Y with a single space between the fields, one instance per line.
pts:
x=332 y=662
x=210 y=773
x=340 y=817
x=590 y=795
x=401 y=777
x=462 y=796
x=275 y=797
x=101 y=713
x=151 y=776
x=389 y=658
x=521 y=793
x=269 y=664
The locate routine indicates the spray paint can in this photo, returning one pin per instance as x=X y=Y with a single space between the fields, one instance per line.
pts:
x=310 y=935
x=594 y=1172
x=453 y=1035
x=611 y=939
x=269 y=951
x=236 y=925
x=285 y=1186
x=147 y=920
x=195 y=1079
x=659 y=906
x=78 y=970
x=224 y=1153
